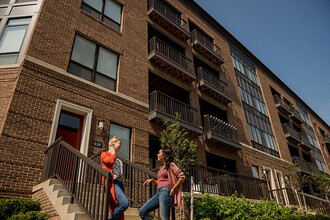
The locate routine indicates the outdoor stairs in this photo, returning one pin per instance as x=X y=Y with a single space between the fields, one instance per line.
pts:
x=60 y=198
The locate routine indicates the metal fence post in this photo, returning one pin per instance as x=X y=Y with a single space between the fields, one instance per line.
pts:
x=191 y=198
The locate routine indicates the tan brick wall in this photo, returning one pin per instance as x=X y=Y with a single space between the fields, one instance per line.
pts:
x=46 y=206
x=8 y=80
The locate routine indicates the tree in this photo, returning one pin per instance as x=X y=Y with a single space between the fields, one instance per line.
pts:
x=184 y=150
x=322 y=184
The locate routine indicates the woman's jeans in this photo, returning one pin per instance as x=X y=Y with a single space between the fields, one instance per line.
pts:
x=163 y=200
x=121 y=199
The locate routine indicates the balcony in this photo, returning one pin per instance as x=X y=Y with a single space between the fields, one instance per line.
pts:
x=222 y=133
x=212 y=85
x=168 y=18
x=206 y=47
x=164 y=107
x=170 y=59
x=295 y=116
x=305 y=142
x=281 y=105
x=291 y=134
x=305 y=166
x=326 y=140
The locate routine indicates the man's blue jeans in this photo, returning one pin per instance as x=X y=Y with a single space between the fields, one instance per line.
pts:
x=163 y=200
x=121 y=199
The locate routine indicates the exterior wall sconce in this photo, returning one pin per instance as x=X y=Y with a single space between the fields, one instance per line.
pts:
x=100 y=124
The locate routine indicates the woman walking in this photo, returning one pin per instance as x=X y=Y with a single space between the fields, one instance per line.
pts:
x=170 y=178
x=112 y=164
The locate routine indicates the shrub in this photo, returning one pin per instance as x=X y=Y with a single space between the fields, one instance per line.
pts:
x=230 y=208
x=9 y=207
x=32 y=215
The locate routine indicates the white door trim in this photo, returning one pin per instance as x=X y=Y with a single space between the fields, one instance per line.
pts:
x=87 y=113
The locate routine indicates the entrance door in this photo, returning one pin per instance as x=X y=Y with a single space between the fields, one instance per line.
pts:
x=70 y=128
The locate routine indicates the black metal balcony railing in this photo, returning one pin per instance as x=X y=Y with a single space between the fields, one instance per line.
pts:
x=326 y=140
x=304 y=141
x=291 y=134
x=295 y=116
x=173 y=20
x=215 y=181
x=167 y=12
x=212 y=50
x=222 y=129
x=173 y=58
x=218 y=84
x=161 y=102
x=305 y=166
x=281 y=105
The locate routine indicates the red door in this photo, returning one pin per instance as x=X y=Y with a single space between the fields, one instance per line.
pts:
x=70 y=128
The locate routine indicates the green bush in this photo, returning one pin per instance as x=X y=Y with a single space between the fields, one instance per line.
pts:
x=32 y=215
x=231 y=208
x=10 y=207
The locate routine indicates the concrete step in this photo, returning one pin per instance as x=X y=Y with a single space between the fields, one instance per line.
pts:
x=61 y=199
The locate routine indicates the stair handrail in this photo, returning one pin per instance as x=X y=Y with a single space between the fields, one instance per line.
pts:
x=136 y=193
x=81 y=176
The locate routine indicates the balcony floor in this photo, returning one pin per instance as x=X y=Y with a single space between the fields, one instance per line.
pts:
x=158 y=59
x=213 y=91
x=158 y=116
x=168 y=24
x=212 y=56
x=222 y=141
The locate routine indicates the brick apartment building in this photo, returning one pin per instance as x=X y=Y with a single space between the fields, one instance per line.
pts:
x=91 y=69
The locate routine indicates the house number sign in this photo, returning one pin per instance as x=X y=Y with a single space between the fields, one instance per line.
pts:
x=97 y=144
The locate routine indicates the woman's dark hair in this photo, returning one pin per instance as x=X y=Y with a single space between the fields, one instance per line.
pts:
x=168 y=156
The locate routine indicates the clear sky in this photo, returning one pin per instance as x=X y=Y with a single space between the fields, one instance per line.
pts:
x=291 y=37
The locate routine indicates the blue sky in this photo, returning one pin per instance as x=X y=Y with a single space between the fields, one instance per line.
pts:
x=291 y=37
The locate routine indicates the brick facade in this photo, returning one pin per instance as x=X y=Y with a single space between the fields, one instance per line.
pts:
x=30 y=92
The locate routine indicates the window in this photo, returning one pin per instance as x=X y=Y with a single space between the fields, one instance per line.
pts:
x=93 y=63
x=125 y=135
x=4 y=2
x=12 y=40
x=107 y=11
x=255 y=172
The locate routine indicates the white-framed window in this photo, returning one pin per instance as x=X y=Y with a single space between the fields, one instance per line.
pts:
x=12 y=39
x=124 y=134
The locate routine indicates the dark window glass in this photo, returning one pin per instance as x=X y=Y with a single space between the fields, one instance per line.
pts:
x=93 y=63
x=20 y=1
x=125 y=135
x=255 y=172
x=3 y=2
x=260 y=130
x=106 y=10
x=69 y=123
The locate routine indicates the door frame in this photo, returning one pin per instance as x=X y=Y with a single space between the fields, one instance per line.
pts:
x=87 y=113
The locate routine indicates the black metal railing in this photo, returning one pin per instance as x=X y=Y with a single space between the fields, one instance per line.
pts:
x=215 y=181
x=134 y=177
x=306 y=166
x=326 y=139
x=281 y=102
x=201 y=38
x=296 y=114
x=170 y=53
x=217 y=126
x=287 y=129
x=167 y=12
x=166 y=104
x=84 y=179
x=304 y=140
x=203 y=74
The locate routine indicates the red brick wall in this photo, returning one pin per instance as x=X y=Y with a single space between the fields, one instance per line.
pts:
x=46 y=206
